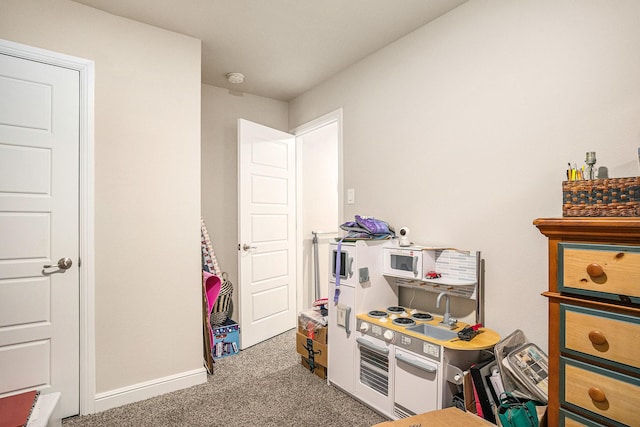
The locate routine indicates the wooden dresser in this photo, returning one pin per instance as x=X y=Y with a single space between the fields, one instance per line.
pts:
x=594 y=321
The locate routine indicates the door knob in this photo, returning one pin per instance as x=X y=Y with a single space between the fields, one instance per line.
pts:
x=63 y=264
x=597 y=337
x=595 y=270
x=246 y=247
x=597 y=395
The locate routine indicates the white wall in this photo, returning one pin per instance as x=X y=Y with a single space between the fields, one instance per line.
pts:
x=463 y=130
x=147 y=185
x=221 y=110
x=319 y=204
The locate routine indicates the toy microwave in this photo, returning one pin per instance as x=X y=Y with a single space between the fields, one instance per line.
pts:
x=403 y=262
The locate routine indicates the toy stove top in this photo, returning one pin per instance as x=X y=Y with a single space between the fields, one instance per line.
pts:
x=393 y=326
x=400 y=316
x=404 y=321
x=395 y=310
x=378 y=314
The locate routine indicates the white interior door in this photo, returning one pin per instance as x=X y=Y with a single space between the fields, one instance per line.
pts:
x=39 y=170
x=267 y=250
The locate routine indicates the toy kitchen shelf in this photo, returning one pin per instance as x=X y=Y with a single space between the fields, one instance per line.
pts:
x=459 y=288
x=459 y=271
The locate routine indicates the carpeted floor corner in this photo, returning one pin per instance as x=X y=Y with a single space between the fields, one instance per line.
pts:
x=264 y=385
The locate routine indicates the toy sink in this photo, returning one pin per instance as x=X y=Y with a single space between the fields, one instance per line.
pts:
x=433 y=332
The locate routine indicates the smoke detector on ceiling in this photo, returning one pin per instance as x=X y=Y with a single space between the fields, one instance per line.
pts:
x=235 y=78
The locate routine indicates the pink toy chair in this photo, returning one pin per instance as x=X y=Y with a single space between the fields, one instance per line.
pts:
x=212 y=285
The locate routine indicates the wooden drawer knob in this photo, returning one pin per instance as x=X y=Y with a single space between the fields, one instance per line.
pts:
x=595 y=270
x=597 y=337
x=597 y=395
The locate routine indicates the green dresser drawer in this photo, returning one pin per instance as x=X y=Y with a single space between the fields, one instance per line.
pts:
x=569 y=419
x=605 y=271
x=600 y=336
x=601 y=392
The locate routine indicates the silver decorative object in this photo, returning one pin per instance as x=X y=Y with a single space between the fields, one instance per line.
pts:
x=590 y=161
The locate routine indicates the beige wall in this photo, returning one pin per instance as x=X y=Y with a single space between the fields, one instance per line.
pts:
x=462 y=130
x=147 y=184
x=319 y=176
x=221 y=109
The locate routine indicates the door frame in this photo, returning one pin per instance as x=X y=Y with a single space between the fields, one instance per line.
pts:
x=324 y=120
x=86 y=70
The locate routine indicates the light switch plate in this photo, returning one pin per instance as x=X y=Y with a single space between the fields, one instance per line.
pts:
x=351 y=196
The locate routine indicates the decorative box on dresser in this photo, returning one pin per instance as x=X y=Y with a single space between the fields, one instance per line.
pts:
x=594 y=321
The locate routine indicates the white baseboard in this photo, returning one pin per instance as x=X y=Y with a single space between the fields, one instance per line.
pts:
x=146 y=390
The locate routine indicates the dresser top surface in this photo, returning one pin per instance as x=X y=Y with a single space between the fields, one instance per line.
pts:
x=625 y=229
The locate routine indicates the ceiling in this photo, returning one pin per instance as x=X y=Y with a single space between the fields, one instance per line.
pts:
x=283 y=47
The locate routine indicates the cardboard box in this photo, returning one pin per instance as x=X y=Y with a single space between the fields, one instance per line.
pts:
x=312 y=346
x=318 y=334
x=319 y=370
x=449 y=417
x=226 y=339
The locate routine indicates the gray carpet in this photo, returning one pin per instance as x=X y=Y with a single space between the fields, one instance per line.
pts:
x=264 y=385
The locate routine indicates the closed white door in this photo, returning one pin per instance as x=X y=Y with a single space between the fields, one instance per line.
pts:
x=266 y=209
x=39 y=155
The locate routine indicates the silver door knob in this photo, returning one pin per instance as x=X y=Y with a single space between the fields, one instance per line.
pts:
x=63 y=264
x=246 y=247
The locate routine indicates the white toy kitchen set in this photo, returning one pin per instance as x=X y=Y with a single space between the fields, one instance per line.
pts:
x=401 y=361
